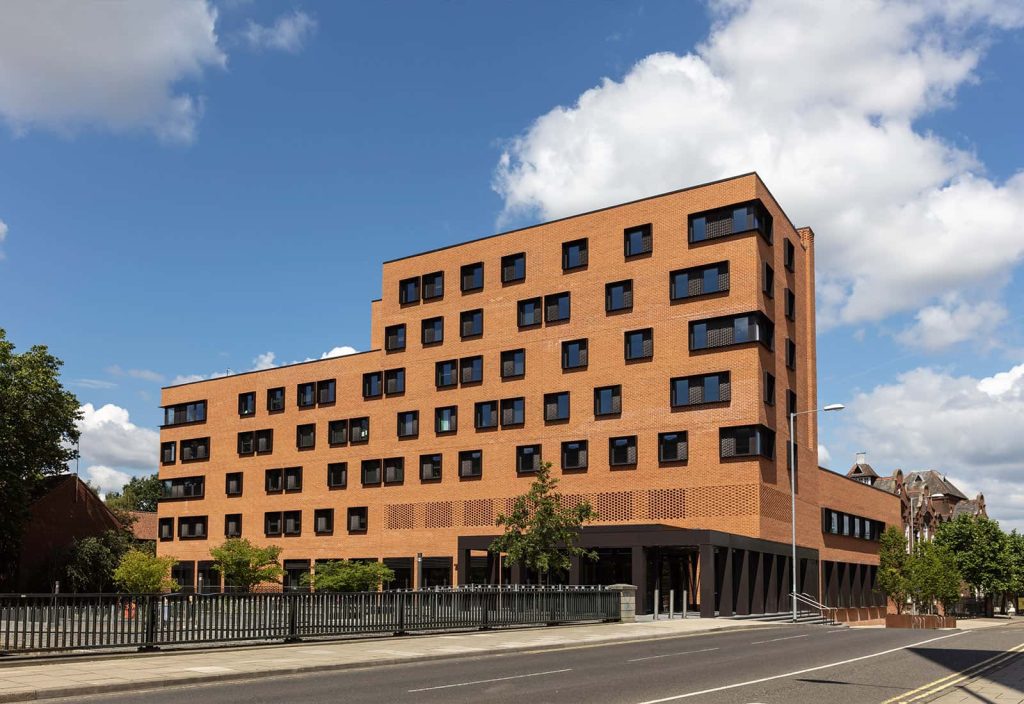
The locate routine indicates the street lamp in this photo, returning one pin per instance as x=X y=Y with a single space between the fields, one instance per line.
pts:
x=792 y=484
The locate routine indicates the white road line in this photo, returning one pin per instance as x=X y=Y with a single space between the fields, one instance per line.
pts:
x=669 y=655
x=758 y=642
x=797 y=672
x=496 y=679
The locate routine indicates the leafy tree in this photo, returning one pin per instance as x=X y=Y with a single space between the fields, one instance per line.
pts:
x=933 y=577
x=541 y=531
x=244 y=565
x=139 y=494
x=37 y=439
x=981 y=552
x=348 y=576
x=92 y=561
x=142 y=573
x=892 y=567
x=1015 y=550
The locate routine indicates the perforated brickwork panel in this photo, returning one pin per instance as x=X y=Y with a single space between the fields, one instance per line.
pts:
x=478 y=512
x=438 y=514
x=400 y=516
x=666 y=503
x=730 y=500
x=775 y=504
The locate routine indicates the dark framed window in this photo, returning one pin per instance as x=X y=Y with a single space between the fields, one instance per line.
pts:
x=394 y=337
x=264 y=441
x=673 y=447
x=305 y=436
x=790 y=354
x=790 y=402
x=337 y=432
x=433 y=285
x=446 y=373
x=788 y=254
x=699 y=389
x=408 y=424
x=574 y=454
x=373 y=384
x=292 y=522
x=513 y=363
x=529 y=312
x=233 y=525
x=639 y=344
x=432 y=332
x=557 y=306
x=430 y=468
x=790 y=304
x=192 y=528
x=618 y=296
x=275 y=399
x=574 y=354
x=183 y=488
x=325 y=390
x=358 y=519
x=698 y=281
x=272 y=523
x=471 y=463
x=185 y=413
x=513 y=268
x=732 y=330
x=472 y=277
x=370 y=471
x=197 y=449
x=747 y=441
x=731 y=220
x=637 y=240
x=323 y=521
x=246 y=443
x=273 y=480
x=527 y=459
x=768 y=281
x=394 y=381
x=359 y=430
x=337 y=475
x=293 y=479
x=574 y=254
x=471 y=370
x=556 y=406
x=409 y=290
x=513 y=412
x=607 y=400
x=394 y=470
x=769 y=389
x=165 y=529
x=622 y=451
x=485 y=415
x=306 y=395
x=233 y=484
x=167 y=452
x=247 y=404
x=471 y=323
x=446 y=419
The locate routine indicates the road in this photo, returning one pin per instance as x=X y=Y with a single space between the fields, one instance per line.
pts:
x=786 y=664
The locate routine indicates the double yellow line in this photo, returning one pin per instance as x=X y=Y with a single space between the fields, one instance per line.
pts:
x=956 y=678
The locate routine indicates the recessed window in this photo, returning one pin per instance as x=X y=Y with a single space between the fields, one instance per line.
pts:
x=769 y=389
x=790 y=354
x=197 y=449
x=264 y=441
x=637 y=240
x=731 y=220
x=394 y=337
x=574 y=354
x=306 y=395
x=192 y=528
x=672 y=447
x=446 y=374
x=471 y=463
x=275 y=399
x=233 y=525
x=292 y=522
x=394 y=381
x=513 y=412
x=607 y=400
x=357 y=519
x=527 y=459
x=747 y=441
x=272 y=523
x=556 y=406
x=165 y=527
x=471 y=323
x=274 y=480
x=433 y=285
x=557 y=306
x=471 y=370
x=185 y=413
x=622 y=451
x=513 y=268
x=371 y=472
x=472 y=277
x=323 y=521
x=790 y=402
x=293 y=479
x=699 y=281
x=768 y=281
x=446 y=419
x=359 y=430
x=618 y=296
x=408 y=424
x=337 y=475
x=433 y=331
x=732 y=330
x=167 y=452
x=788 y=254
x=325 y=391
x=409 y=290
x=790 y=304
x=305 y=436
x=233 y=484
x=247 y=404
x=513 y=363
x=246 y=443
x=485 y=415
x=703 y=388
x=574 y=454
x=639 y=344
x=529 y=312
x=183 y=488
x=430 y=468
x=394 y=470
x=574 y=255
x=337 y=432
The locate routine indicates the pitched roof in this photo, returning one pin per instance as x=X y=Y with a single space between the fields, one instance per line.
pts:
x=145 y=524
x=861 y=469
x=886 y=484
x=936 y=483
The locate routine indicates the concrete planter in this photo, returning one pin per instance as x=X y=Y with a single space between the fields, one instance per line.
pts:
x=920 y=621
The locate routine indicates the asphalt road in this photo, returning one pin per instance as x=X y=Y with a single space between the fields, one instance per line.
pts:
x=787 y=664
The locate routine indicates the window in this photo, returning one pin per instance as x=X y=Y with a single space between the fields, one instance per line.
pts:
x=292 y=522
x=698 y=281
x=788 y=254
x=637 y=240
x=274 y=480
x=264 y=441
x=790 y=402
x=486 y=415
x=472 y=277
x=790 y=354
x=233 y=525
x=373 y=384
x=747 y=441
x=246 y=443
x=607 y=400
x=557 y=307
x=408 y=424
x=247 y=404
x=732 y=330
x=306 y=395
x=704 y=388
x=513 y=411
x=430 y=468
x=446 y=419
x=574 y=454
x=513 y=364
x=556 y=406
x=471 y=323
x=192 y=528
x=359 y=430
x=672 y=447
x=790 y=304
x=409 y=290
x=337 y=432
x=323 y=521
x=394 y=470
x=769 y=389
x=183 y=488
x=527 y=459
x=183 y=413
x=357 y=519
x=574 y=255
x=445 y=374
x=394 y=381
x=433 y=331
x=433 y=285
x=337 y=475
x=293 y=479
x=325 y=391
x=574 y=354
x=394 y=337
x=513 y=268
x=618 y=296
x=305 y=436
x=838 y=523
x=167 y=452
x=166 y=529
x=471 y=463
x=233 y=483
x=639 y=344
x=732 y=220
x=471 y=369
x=622 y=451
x=275 y=399
x=272 y=521
x=192 y=450
x=370 y=472
x=529 y=312
x=768 y=281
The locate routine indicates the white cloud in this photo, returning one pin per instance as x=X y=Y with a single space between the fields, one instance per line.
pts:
x=266 y=360
x=342 y=351
x=824 y=112
x=288 y=33
x=144 y=374
x=106 y=478
x=109 y=438
x=94 y=384
x=3 y=236
x=953 y=321
x=824 y=456
x=67 y=64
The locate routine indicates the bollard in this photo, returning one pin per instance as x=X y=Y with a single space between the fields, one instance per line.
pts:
x=657 y=602
x=671 y=603
x=684 y=604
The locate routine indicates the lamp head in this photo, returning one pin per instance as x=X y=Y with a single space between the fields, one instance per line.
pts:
x=834 y=407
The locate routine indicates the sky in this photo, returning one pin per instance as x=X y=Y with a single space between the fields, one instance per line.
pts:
x=192 y=187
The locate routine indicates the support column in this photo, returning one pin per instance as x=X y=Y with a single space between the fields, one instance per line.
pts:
x=517 y=574
x=758 y=582
x=771 y=604
x=743 y=587
x=463 y=561
x=726 y=605
x=786 y=586
x=707 y=581
x=574 y=569
x=639 y=577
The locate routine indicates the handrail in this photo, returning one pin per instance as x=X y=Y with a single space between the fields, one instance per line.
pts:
x=827 y=613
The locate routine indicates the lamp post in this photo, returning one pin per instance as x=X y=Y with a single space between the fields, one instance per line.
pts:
x=792 y=484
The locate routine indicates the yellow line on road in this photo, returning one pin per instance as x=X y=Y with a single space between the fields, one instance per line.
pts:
x=955 y=678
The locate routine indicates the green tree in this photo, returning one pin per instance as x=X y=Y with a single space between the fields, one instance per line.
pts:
x=542 y=530
x=142 y=573
x=892 y=567
x=92 y=561
x=348 y=576
x=244 y=565
x=933 y=577
x=38 y=438
x=981 y=551
x=139 y=494
x=1015 y=550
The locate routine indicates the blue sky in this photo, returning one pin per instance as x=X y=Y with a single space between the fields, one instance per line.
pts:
x=188 y=209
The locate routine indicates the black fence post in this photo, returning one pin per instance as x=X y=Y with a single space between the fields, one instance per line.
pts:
x=293 y=619
x=149 y=614
x=484 y=607
x=400 y=597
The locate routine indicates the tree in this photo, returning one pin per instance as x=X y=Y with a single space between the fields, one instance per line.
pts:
x=244 y=565
x=142 y=573
x=981 y=552
x=139 y=494
x=348 y=576
x=38 y=437
x=1015 y=550
x=933 y=577
x=892 y=567
x=92 y=561
x=542 y=529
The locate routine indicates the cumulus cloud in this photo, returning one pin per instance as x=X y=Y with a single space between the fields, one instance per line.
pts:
x=824 y=456
x=953 y=321
x=110 y=439
x=287 y=33
x=266 y=360
x=339 y=352
x=107 y=479
x=825 y=113
x=3 y=236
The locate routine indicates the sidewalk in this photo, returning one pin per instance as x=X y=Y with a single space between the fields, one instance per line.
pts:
x=27 y=680
x=1005 y=685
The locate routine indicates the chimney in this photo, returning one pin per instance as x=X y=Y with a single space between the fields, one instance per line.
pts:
x=862 y=458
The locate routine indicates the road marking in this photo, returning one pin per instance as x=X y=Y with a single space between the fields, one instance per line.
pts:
x=839 y=630
x=669 y=655
x=773 y=640
x=496 y=679
x=676 y=697
x=936 y=686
